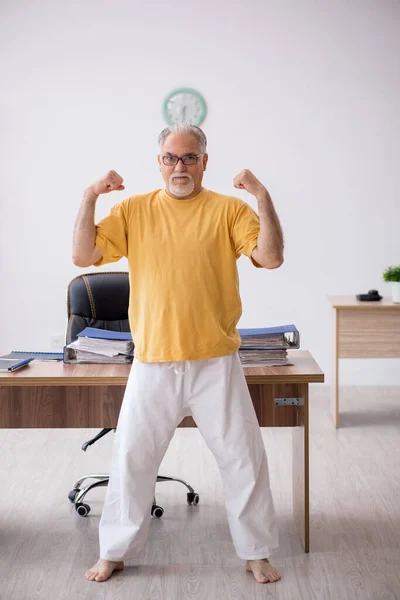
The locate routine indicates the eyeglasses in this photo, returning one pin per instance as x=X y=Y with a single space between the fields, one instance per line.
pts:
x=171 y=161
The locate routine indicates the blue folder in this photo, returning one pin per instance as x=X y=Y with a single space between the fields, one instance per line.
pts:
x=106 y=334
x=268 y=330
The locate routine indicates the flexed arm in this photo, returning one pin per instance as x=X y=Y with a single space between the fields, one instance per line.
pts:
x=269 y=250
x=85 y=252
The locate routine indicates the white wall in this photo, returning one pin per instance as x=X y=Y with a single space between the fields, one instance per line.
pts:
x=305 y=94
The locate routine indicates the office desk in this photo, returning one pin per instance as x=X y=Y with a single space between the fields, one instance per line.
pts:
x=362 y=330
x=52 y=394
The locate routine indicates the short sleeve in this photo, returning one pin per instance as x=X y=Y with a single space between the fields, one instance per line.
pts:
x=111 y=235
x=245 y=230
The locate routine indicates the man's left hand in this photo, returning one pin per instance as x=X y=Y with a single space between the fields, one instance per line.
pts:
x=249 y=182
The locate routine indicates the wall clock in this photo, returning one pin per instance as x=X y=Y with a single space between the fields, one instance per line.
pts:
x=184 y=105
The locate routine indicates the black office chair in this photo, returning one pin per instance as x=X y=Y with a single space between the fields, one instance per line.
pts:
x=101 y=300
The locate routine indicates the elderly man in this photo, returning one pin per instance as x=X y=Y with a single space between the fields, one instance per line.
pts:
x=182 y=244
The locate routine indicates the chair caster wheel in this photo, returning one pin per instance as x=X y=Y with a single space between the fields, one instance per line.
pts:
x=82 y=509
x=157 y=511
x=193 y=498
x=72 y=495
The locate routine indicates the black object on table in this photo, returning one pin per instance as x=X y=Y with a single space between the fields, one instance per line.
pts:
x=372 y=296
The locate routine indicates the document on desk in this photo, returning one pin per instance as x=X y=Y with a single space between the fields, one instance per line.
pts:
x=100 y=346
x=268 y=338
x=9 y=365
x=263 y=358
x=82 y=356
x=267 y=346
x=102 y=341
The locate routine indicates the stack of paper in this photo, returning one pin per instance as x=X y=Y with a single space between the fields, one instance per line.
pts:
x=102 y=346
x=263 y=358
x=283 y=336
x=268 y=346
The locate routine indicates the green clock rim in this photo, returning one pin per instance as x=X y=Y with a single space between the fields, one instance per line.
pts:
x=185 y=90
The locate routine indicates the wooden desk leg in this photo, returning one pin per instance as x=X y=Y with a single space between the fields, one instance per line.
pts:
x=300 y=476
x=335 y=368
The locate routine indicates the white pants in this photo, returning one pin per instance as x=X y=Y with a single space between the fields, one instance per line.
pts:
x=157 y=397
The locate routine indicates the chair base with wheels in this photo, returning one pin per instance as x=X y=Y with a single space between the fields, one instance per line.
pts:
x=77 y=495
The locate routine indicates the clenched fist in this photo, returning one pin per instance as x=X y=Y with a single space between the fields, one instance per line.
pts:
x=108 y=183
x=249 y=182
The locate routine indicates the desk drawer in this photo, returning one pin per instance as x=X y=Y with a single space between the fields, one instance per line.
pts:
x=369 y=333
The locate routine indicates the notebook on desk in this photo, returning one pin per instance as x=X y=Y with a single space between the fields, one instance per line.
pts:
x=34 y=355
x=9 y=365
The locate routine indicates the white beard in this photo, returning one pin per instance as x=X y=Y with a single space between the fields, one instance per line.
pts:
x=181 y=190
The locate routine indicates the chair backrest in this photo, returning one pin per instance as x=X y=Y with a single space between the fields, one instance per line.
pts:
x=98 y=300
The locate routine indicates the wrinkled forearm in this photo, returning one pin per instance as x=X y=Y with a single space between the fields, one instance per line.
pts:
x=270 y=238
x=84 y=241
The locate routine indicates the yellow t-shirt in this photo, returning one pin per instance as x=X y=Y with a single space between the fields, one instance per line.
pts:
x=184 y=287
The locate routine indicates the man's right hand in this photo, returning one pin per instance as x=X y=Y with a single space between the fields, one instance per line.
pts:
x=108 y=183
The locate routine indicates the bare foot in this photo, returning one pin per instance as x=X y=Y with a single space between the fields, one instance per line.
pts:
x=103 y=569
x=263 y=572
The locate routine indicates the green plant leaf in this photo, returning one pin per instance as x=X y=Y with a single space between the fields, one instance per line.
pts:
x=392 y=273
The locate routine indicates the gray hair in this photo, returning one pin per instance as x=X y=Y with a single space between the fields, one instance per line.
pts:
x=184 y=128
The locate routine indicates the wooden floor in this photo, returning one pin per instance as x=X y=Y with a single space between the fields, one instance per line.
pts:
x=45 y=546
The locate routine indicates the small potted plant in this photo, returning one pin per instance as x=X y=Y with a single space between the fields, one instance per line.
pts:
x=392 y=274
